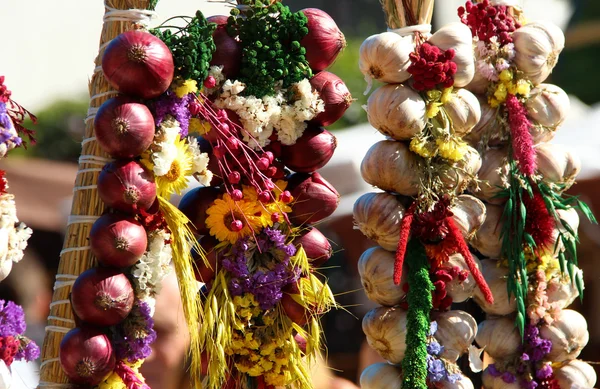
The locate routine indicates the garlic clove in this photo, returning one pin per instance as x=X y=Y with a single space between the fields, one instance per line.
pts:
x=496 y=277
x=571 y=217
x=561 y=291
x=568 y=334
x=378 y=217
x=487 y=239
x=478 y=84
x=491 y=382
x=466 y=171
x=557 y=164
x=385 y=57
x=376 y=270
x=464 y=111
x=468 y=214
x=462 y=383
x=381 y=376
x=385 y=329
x=493 y=175
x=488 y=131
x=397 y=111
x=457 y=36
x=548 y=106
x=456 y=332
x=499 y=336
x=575 y=374
x=461 y=291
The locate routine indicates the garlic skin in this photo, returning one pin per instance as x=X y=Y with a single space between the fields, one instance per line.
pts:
x=468 y=214
x=562 y=291
x=397 y=111
x=5 y=376
x=381 y=376
x=496 y=278
x=491 y=382
x=575 y=374
x=537 y=46
x=457 y=36
x=5 y=268
x=461 y=291
x=391 y=166
x=494 y=166
x=456 y=332
x=487 y=239
x=488 y=126
x=571 y=217
x=385 y=329
x=478 y=84
x=499 y=336
x=464 y=111
x=376 y=270
x=385 y=57
x=378 y=217
x=466 y=170
x=569 y=335
x=549 y=105
x=557 y=164
x=463 y=383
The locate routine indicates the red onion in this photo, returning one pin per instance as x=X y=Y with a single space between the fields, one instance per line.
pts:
x=126 y=186
x=296 y=312
x=219 y=20
x=194 y=205
x=102 y=296
x=311 y=151
x=139 y=64
x=202 y=272
x=335 y=95
x=124 y=129
x=228 y=53
x=316 y=245
x=314 y=198
x=301 y=341
x=324 y=40
x=86 y=356
x=118 y=240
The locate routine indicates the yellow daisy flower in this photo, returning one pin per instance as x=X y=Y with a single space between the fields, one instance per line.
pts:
x=198 y=126
x=186 y=87
x=224 y=211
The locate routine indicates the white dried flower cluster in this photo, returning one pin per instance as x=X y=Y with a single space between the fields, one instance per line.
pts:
x=154 y=265
x=166 y=151
x=491 y=59
x=199 y=163
x=13 y=234
x=280 y=113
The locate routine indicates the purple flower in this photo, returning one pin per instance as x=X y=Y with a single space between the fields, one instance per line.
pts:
x=170 y=104
x=136 y=334
x=434 y=348
x=529 y=384
x=524 y=357
x=28 y=351
x=433 y=326
x=436 y=369
x=508 y=377
x=12 y=319
x=493 y=371
x=544 y=372
x=452 y=378
x=5 y=120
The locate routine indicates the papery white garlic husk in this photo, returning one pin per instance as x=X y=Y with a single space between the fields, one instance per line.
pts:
x=569 y=335
x=468 y=214
x=493 y=176
x=488 y=239
x=456 y=331
x=464 y=111
x=561 y=291
x=378 y=217
x=5 y=376
x=571 y=217
x=391 y=166
x=461 y=291
x=381 y=376
x=575 y=374
x=548 y=106
x=478 y=84
x=463 y=383
x=385 y=329
x=5 y=268
x=557 y=164
x=466 y=171
x=488 y=130
x=376 y=270
x=385 y=57
x=508 y=3
x=397 y=111
x=457 y=36
x=491 y=382
x=537 y=46
x=499 y=336
x=496 y=278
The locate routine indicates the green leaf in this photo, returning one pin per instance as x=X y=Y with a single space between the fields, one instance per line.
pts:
x=529 y=239
x=520 y=322
x=587 y=212
x=572 y=268
x=567 y=227
x=562 y=261
x=579 y=283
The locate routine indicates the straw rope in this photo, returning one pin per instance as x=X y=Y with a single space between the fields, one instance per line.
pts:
x=75 y=258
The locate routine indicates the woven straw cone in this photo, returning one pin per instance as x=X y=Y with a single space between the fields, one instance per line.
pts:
x=86 y=202
x=403 y=13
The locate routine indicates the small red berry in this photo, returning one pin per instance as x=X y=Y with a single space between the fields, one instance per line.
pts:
x=236 y=226
x=286 y=197
x=234 y=177
x=237 y=195
x=210 y=82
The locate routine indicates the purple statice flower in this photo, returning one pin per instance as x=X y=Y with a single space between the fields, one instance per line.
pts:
x=136 y=334
x=434 y=348
x=433 y=326
x=5 y=120
x=493 y=371
x=524 y=357
x=28 y=350
x=12 y=319
x=529 y=384
x=436 y=371
x=544 y=372
x=508 y=377
x=170 y=104
x=275 y=236
x=7 y=128
x=452 y=378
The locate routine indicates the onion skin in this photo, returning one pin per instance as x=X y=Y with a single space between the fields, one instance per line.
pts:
x=202 y=272
x=102 y=296
x=126 y=186
x=139 y=64
x=219 y=20
x=86 y=356
x=314 y=198
x=228 y=53
x=118 y=240
x=124 y=128
x=324 y=40
x=311 y=151
x=301 y=342
x=293 y=310
x=316 y=245
x=335 y=95
x=194 y=205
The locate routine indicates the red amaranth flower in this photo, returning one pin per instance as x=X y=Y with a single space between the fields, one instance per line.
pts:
x=3 y=183
x=431 y=226
x=522 y=141
x=486 y=21
x=539 y=222
x=9 y=346
x=432 y=66
x=4 y=92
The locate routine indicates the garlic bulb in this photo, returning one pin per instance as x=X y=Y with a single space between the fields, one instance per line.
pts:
x=376 y=269
x=537 y=46
x=461 y=291
x=569 y=335
x=557 y=164
x=391 y=166
x=463 y=383
x=5 y=376
x=381 y=376
x=457 y=36
x=491 y=382
x=385 y=57
x=5 y=268
x=493 y=174
x=488 y=129
x=464 y=111
x=575 y=374
x=487 y=239
x=468 y=214
x=478 y=84
x=496 y=278
x=456 y=332
x=548 y=106
x=397 y=111
x=562 y=291
x=378 y=217
x=466 y=171
x=571 y=217
x=499 y=336
x=385 y=329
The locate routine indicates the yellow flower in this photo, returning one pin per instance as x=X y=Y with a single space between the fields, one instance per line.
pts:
x=176 y=178
x=523 y=88
x=275 y=206
x=434 y=94
x=420 y=146
x=198 y=126
x=494 y=103
x=446 y=95
x=186 y=87
x=224 y=211
x=506 y=75
x=501 y=92
x=452 y=149
x=268 y=348
x=433 y=109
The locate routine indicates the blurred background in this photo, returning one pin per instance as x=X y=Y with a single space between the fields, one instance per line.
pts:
x=48 y=60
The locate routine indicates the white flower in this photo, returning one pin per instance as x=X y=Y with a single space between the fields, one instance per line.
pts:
x=153 y=267
x=487 y=70
x=14 y=234
x=508 y=51
x=167 y=151
x=502 y=64
x=200 y=163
